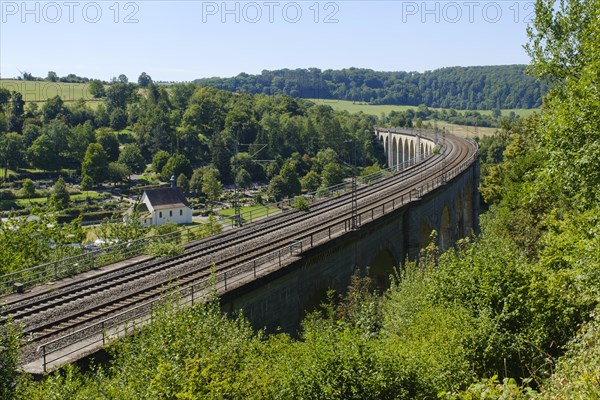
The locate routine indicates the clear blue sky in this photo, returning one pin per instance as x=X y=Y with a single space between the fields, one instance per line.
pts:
x=185 y=40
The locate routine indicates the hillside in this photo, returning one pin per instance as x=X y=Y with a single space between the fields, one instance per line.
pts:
x=465 y=88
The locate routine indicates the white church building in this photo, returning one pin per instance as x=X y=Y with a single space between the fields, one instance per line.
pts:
x=162 y=205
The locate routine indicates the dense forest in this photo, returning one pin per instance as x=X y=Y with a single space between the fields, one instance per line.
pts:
x=461 y=88
x=511 y=314
x=183 y=127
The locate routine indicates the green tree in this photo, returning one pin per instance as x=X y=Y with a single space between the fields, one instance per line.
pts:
x=3 y=123
x=101 y=116
x=211 y=186
x=196 y=181
x=118 y=119
x=243 y=179
x=144 y=80
x=108 y=140
x=183 y=183
x=50 y=150
x=333 y=174
x=10 y=343
x=290 y=179
x=132 y=157
x=246 y=162
x=220 y=148
x=53 y=108
x=95 y=163
x=40 y=154
x=301 y=204
x=277 y=188
x=131 y=229
x=96 y=88
x=11 y=151
x=60 y=195
x=159 y=160
x=564 y=50
x=311 y=181
x=52 y=77
x=4 y=98
x=87 y=183
x=177 y=164
x=325 y=157
x=117 y=172
x=15 y=113
x=119 y=95
x=79 y=139
x=28 y=189
x=272 y=169
x=24 y=242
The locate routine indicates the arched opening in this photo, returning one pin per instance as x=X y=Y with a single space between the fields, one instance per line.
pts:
x=421 y=152
x=406 y=152
x=445 y=230
x=468 y=216
x=424 y=234
x=459 y=216
x=400 y=153
x=412 y=150
x=381 y=268
x=394 y=153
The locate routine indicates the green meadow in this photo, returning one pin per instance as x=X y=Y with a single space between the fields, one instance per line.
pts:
x=354 y=107
x=40 y=91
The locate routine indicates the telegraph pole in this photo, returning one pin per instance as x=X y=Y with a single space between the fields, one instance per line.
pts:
x=237 y=208
x=236 y=195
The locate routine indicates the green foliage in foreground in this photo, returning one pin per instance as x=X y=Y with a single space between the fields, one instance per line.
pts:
x=165 y=249
x=9 y=359
x=36 y=240
x=486 y=310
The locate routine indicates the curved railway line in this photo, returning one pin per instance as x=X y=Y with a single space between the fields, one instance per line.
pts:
x=49 y=314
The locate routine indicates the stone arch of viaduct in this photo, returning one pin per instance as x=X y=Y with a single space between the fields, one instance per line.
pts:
x=403 y=146
x=281 y=299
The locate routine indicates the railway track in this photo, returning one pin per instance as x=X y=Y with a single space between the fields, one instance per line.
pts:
x=51 y=314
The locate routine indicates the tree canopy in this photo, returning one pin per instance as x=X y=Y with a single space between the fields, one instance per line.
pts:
x=466 y=88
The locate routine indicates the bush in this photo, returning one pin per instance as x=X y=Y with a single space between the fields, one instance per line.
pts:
x=10 y=343
x=301 y=204
x=165 y=249
x=98 y=215
x=87 y=183
x=7 y=195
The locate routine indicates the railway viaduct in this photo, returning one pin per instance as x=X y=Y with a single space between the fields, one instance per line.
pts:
x=280 y=300
x=274 y=270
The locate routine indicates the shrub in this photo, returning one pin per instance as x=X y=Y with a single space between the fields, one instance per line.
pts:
x=301 y=204
x=165 y=249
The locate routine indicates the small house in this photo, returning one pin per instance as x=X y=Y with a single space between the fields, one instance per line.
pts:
x=159 y=206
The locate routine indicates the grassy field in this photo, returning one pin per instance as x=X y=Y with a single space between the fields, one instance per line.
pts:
x=354 y=107
x=8 y=172
x=464 y=130
x=40 y=91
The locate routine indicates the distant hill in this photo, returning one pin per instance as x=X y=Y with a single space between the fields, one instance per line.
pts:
x=465 y=88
